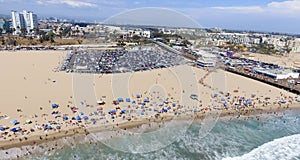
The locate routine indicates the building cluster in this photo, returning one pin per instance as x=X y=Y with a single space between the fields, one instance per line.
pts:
x=23 y=22
x=26 y=23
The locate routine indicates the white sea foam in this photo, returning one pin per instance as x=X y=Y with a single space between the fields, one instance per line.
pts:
x=282 y=148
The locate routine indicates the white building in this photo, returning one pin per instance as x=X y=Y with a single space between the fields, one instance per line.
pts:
x=26 y=21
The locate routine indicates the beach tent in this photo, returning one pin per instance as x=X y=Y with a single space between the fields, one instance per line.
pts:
x=174 y=105
x=54 y=105
x=49 y=127
x=85 y=117
x=78 y=118
x=222 y=99
x=2 y=128
x=15 y=122
x=58 y=127
x=127 y=99
x=138 y=95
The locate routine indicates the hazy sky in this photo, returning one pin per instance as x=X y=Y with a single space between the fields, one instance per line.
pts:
x=261 y=15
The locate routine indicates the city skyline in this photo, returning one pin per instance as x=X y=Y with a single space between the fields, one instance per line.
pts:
x=264 y=15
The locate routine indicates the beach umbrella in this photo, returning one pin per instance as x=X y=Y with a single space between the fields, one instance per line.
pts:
x=2 y=128
x=123 y=111
x=282 y=101
x=127 y=99
x=120 y=99
x=222 y=99
x=138 y=95
x=14 y=130
x=65 y=118
x=54 y=105
x=195 y=110
x=81 y=113
x=28 y=121
x=78 y=118
x=225 y=104
x=15 y=122
x=49 y=127
x=58 y=127
x=146 y=100
x=85 y=117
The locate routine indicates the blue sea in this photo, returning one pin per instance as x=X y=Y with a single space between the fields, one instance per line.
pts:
x=268 y=136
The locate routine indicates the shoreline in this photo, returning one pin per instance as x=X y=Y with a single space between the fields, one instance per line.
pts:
x=56 y=135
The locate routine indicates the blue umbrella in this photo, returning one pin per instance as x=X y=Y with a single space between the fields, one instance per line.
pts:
x=78 y=118
x=123 y=111
x=174 y=105
x=127 y=99
x=138 y=96
x=85 y=117
x=15 y=122
x=54 y=105
x=120 y=99
x=2 y=128
x=14 y=129
x=65 y=118
x=49 y=127
x=146 y=100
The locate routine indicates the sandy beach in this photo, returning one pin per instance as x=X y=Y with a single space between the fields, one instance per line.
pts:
x=31 y=84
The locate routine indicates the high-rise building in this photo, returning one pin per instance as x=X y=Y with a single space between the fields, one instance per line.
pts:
x=23 y=22
x=4 y=26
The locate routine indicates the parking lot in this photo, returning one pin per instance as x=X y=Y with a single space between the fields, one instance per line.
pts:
x=119 y=61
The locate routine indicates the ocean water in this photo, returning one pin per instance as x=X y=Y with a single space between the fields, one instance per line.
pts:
x=266 y=137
